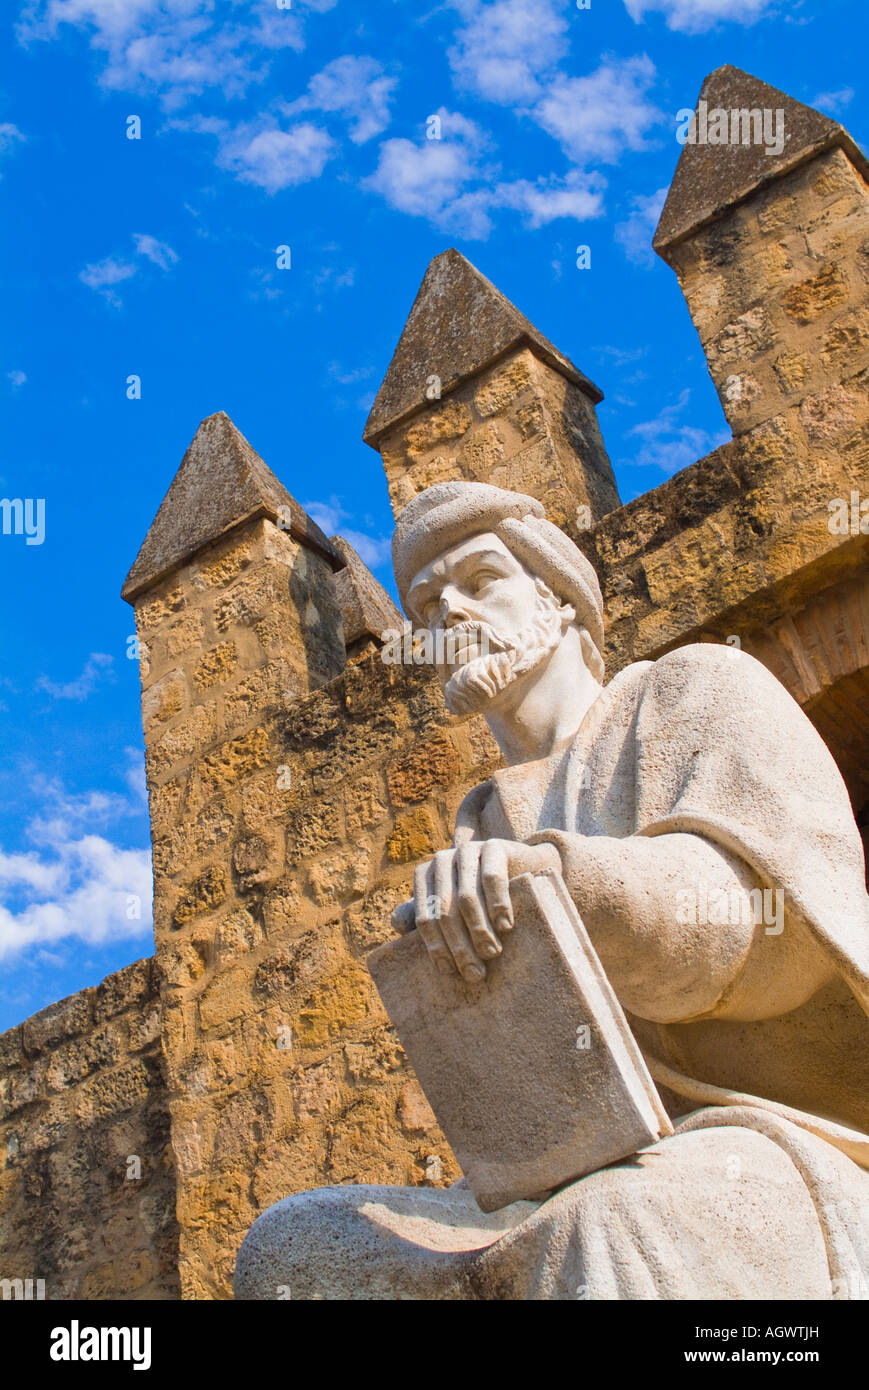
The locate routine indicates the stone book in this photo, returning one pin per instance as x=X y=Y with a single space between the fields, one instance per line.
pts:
x=534 y=1074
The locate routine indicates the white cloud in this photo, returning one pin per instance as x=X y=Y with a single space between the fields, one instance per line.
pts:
x=10 y=137
x=834 y=102
x=696 y=16
x=598 y=117
x=544 y=202
x=669 y=445
x=634 y=235
x=447 y=182
x=85 y=891
x=175 y=49
x=357 y=88
x=154 y=250
x=104 y=275
x=97 y=669
x=110 y=271
x=74 y=883
x=505 y=47
x=17 y=379
x=432 y=179
x=273 y=158
x=330 y=516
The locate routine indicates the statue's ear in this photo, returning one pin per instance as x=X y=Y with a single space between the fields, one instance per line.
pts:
x=590 y=655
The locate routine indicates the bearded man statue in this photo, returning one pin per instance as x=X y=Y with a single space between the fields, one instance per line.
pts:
x=672 y=801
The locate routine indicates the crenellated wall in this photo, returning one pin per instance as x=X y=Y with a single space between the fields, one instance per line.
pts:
x=87 y=1186
x=295 y=779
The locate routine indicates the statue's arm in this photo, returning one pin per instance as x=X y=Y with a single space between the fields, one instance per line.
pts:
x=631 y=894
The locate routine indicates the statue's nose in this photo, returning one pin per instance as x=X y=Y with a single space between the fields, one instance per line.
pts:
x=453 y=609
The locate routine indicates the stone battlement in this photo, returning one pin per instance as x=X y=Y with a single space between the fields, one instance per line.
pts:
x=295 y=779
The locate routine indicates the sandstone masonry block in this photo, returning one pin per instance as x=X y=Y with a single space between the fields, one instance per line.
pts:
x=216 y=666
x=414 y=776
x=204 y=894
x=415 y=837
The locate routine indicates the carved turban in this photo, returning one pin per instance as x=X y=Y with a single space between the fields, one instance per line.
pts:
x=448 y=513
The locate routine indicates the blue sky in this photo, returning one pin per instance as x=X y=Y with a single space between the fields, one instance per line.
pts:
x=303 y=124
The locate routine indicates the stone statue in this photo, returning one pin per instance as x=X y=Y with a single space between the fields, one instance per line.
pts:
x=704 y=834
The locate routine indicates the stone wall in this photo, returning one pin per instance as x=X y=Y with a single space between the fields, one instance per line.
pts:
x=82 y=1097
x=284 y=1071
x=295 y=779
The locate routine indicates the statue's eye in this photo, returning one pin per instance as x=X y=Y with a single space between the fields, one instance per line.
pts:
x=481 y=579
x=431 y=613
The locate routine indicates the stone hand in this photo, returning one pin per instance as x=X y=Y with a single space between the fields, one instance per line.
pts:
x=461 y=902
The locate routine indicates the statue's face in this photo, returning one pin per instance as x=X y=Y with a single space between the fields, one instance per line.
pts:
x=477 y=581
x=501 y=620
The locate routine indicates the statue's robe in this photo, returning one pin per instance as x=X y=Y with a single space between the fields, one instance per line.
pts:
x=762 y=1192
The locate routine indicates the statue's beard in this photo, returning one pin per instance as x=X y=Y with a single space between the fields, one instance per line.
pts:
x=479 y=680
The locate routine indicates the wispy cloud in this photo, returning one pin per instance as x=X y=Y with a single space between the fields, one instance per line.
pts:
x=670 y=445
x=10 y=138
x=154 y=250
x=504 y=49
x=96 y=671
x=696 y=16
x=349 y=376
x=352 y=86
x=176 y=50
x=575 y=196
x=597 y=118
x=834 y=102
x=16 y=378
x=635 y=233
x=103 y=276
x=331 y=516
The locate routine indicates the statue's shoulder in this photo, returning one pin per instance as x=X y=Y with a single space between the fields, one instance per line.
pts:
x=718 y=678
x=704 y=661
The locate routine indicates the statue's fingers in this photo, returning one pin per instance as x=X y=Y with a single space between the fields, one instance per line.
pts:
x=495 y=878
x=421 y=893
x=452 y=927
x=470 y=902
x=428 y=913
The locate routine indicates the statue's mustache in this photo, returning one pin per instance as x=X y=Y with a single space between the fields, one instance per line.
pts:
x=472 y=639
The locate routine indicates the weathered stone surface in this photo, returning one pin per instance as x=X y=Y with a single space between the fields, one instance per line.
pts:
x=217 y=665
x=221 y=482
x=73 y=1210
x=459 y=324
x=367 y=611
x=415 y=836
x=203 y=895
x=66 y=1019
x=413 y=776
x=711 y=178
